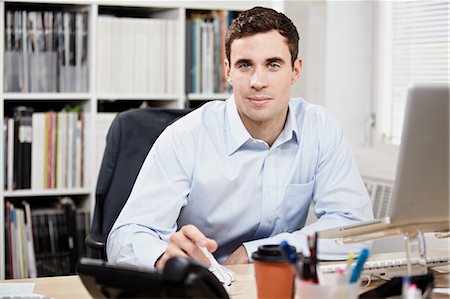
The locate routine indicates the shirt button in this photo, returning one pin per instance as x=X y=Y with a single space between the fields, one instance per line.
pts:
x=269 y=190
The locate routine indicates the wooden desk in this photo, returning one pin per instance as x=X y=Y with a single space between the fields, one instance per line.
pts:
x=71 y=287
x=58 y=287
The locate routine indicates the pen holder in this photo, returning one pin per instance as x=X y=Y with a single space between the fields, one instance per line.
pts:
x=308 y=290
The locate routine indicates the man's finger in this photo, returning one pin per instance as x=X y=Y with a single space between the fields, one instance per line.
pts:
x=187 y=246
x=193 y=233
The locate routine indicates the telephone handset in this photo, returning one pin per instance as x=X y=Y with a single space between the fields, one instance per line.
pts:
x=181 y=278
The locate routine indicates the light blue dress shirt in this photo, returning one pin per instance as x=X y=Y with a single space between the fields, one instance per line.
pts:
x=207 y=170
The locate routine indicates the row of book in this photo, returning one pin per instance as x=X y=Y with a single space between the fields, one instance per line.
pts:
x=43 y=242
x=44 y=150
x=205 y=53
x=137 y=55
x=46 y=51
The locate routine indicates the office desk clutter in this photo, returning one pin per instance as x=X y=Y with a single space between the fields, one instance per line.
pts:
x=346 y=281
x=406 y=287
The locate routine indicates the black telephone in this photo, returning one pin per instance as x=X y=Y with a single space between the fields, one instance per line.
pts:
x=181 y=278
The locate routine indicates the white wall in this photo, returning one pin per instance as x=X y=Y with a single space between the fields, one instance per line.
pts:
x=336 y=42
x=309 y=18
x=348 y=79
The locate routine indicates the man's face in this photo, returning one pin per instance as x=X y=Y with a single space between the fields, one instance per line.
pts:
x=261 y=73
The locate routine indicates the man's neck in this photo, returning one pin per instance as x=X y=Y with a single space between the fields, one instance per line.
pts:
x=267 y=131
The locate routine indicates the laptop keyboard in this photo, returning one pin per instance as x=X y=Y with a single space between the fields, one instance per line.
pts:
x=387 y=268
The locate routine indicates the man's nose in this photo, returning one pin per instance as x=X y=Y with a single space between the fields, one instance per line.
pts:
x=258 y=80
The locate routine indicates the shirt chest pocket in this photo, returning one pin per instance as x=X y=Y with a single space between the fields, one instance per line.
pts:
x=295 y=206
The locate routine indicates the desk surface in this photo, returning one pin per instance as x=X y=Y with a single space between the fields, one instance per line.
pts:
x=68 y=287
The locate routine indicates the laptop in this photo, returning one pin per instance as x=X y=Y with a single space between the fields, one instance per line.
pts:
x=421 y=188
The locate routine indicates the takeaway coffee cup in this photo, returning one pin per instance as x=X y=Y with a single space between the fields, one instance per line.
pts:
x=274 y=276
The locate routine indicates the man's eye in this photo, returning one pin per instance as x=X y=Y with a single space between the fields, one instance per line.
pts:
x=274 y=65
x=244 y=65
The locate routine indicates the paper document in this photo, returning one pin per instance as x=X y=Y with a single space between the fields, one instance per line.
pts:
x=19 y=290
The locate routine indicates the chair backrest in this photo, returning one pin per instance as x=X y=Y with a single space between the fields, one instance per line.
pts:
x=129 y=139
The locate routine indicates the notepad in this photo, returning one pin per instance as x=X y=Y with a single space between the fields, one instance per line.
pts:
x=19 y=291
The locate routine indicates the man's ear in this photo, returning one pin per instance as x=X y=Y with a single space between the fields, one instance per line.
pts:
x=226 y=67
x=297 y=70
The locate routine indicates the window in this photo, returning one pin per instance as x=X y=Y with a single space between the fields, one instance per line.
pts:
x=418 y=34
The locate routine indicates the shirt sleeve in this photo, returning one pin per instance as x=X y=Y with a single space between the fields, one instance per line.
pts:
x=339 y=196
x=141 y=232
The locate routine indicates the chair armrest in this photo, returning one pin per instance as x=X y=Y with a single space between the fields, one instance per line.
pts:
x=96 y=241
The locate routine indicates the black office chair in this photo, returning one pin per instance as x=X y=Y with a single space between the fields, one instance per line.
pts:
x=129 y=139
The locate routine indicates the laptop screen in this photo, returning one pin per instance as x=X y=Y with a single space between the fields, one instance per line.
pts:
x=421 y=189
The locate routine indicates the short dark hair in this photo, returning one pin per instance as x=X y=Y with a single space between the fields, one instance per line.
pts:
x=259 y=20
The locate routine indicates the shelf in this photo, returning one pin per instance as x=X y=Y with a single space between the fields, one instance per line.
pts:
x=206 y=5
x=159 y=97
x=88 y=96
x=48 y=192
x=46 y=96
x=208 y=96
x=143 y=84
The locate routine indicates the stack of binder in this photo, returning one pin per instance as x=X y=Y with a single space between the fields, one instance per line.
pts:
x=42 y=242
x=46 y=51
x=205 y=40
x=44 y=150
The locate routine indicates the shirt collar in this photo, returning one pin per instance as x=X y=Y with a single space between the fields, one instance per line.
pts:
x=237 y=134
x=290 y=129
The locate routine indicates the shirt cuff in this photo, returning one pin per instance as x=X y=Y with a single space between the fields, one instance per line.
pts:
x=137 y=250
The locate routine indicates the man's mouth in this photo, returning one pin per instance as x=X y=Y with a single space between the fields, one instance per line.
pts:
x=259 y=100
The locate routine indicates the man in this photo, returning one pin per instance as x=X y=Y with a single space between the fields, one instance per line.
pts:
x=234 y=175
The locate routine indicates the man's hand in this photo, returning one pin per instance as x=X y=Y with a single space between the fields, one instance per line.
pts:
x=239 y=256
x=184 y=243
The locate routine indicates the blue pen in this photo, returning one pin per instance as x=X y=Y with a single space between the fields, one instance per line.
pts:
x=292 y=257
x=359 y=265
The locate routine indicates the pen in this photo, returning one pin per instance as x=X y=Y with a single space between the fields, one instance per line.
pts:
x=341 y=277
x=306 y=273
x=292 y=257
x=316 y=238
x=405 y=285
x=356 y=272
x=413 y=292
x=350 y=258
x=312 y=243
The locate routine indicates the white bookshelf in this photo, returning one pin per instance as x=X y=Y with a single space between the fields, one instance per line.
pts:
x=93 y=98
x=41 y=96
x=47 y=192
x=208 y=96
x=2 y=199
